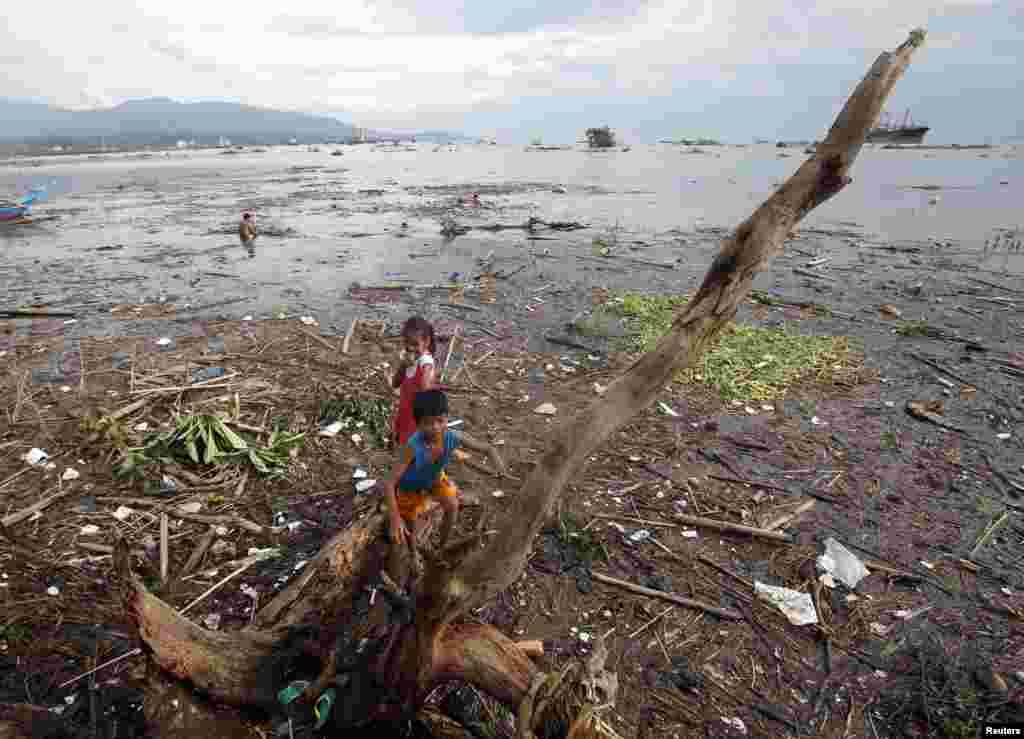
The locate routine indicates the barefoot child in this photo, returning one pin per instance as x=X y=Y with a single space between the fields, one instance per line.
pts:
x=413 y=376
x=420 y=472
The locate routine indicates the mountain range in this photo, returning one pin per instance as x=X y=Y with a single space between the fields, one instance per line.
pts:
x=162 y=121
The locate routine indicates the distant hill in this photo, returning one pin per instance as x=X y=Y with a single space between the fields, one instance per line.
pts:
x=162 y=121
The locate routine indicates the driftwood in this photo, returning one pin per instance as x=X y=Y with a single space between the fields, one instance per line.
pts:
x=412 y=623
x=668 y=597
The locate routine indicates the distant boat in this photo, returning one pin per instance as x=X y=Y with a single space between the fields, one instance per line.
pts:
x=887 y=132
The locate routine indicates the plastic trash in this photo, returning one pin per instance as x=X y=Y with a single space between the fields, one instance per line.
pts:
x=193 y=507
x=842 y=564
x=168 y=485
x=163 y=341
x=640 y=536
x=70 y=474
x=360 y=473
x=666 y=410
x=363 y=485
x=36 y=457
x=454 y=423
x=122 y=513
x=90 y=530
x=796 y=606
x=207 y=373
x=322 y=708
x=546 y=409
x=736 y=723
x=292 y=691
x=331 y=429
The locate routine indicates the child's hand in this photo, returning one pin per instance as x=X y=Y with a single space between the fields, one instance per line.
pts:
x=399 y=531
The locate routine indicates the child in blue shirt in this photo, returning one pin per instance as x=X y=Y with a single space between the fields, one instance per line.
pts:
x=420 y=472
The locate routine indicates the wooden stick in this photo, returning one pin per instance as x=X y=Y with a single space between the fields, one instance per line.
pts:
x=199 y=552
x=451 y=348
x=241 y=485
x=239 y=571
x=98 y=548
x=781 y=521
x=485 y=356
x=650 y=623
x=183 y=388
x=348 y=336
x=164 y=546
x=806 y=273
x=317 y=338
x=669 y=597
x=15 y=476
x=238 y=521
x=96 y=669
x=711 y=523
x=644 y=521
x=753 y=483
x=462 y=306
x=24 y=513
x=532 y=648
x=989 y=530
x=130 y=408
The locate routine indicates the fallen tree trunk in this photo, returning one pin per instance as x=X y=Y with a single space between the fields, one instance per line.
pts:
x=389 y=652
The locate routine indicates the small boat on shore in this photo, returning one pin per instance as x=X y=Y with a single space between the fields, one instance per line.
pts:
x=13 y=211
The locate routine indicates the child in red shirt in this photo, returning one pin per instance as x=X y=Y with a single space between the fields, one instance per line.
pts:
x=413 y=376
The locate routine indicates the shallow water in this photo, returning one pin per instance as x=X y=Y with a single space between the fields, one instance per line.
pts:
x=134 y=227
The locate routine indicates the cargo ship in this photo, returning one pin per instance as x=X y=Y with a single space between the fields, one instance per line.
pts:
x=888 y=132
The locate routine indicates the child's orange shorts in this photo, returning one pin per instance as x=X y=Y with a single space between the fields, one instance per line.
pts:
x=412 y=503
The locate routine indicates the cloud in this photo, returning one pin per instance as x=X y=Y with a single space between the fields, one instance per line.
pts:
x=385 y=63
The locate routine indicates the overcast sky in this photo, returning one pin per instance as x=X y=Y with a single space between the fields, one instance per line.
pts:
x=733 y=69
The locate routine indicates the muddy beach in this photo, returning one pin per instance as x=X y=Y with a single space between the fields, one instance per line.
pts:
x=911 y=451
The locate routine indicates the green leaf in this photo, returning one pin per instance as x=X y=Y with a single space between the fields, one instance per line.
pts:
x=233 y=440
x=211 y=447
x=193 y=453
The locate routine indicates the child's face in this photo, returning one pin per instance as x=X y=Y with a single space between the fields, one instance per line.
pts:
x=416 y=344
x=433 y=428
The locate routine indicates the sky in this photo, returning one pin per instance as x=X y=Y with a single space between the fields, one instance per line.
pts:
x=517 y=70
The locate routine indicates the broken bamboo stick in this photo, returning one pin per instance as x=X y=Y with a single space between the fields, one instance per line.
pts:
x=130 y=408
x=711 y=523
x=98 y=548
x=199 y=552
x=27 y=512
x=246 y=565
x=238 y=521
x=781 y=521
x=668 y=597
x=164 y=545
x=183 y=388
x=451 y=348
x=632 y=519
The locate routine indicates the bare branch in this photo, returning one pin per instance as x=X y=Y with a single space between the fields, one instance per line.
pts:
x=727 y=284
